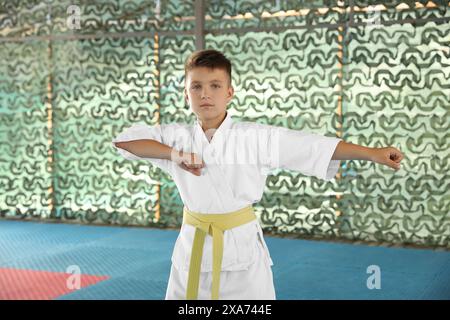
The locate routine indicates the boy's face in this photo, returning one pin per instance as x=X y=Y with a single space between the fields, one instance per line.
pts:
x=208 y=92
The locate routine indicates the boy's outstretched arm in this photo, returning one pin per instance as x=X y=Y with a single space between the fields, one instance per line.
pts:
x=148 y=148
x=388 y=156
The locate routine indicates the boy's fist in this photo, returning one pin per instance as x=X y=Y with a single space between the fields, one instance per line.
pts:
x=188 y=161
x=388 y=156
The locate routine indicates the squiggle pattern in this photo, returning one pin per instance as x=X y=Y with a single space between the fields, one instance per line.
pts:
x=392 y=83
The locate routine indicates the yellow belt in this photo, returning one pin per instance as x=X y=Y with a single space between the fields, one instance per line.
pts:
x=214 y=225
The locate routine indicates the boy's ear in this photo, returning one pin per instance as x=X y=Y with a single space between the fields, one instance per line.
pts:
x=230 y=92
x=185 y=95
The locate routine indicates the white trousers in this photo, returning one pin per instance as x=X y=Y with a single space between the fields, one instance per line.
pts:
x=256 y=283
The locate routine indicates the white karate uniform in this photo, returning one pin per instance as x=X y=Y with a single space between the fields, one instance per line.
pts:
x=227 y=185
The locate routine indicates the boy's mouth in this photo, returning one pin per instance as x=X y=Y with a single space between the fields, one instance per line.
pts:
x=206 y=105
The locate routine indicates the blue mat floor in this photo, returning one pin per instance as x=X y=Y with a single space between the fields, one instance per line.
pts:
x=138 y=263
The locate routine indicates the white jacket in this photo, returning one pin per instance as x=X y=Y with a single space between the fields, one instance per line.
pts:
x=237 y=161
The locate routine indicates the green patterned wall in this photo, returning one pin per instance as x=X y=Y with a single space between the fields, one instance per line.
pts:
x=397 y=92
x=308 y=65
x=25 y=179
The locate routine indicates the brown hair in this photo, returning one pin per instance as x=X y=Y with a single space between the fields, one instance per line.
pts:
x=207 y=58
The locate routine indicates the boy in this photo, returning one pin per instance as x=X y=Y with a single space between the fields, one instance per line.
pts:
x=220 y=252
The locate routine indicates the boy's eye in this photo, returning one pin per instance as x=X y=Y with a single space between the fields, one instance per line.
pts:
x=215 y=86
x=196 y=87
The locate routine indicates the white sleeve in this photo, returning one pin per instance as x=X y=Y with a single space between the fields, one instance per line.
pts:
x=138 y=132
x=308 y=153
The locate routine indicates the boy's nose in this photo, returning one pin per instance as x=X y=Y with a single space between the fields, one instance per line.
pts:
x=204 y=93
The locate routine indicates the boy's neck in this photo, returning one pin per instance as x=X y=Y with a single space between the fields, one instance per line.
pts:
x=212 y=123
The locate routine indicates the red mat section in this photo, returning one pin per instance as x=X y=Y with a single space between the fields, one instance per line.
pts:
x=17 y=284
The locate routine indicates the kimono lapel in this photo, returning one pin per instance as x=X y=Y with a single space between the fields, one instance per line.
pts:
x=210 y=153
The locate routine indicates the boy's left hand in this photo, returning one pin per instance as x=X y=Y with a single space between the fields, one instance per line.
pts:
x=388 y=156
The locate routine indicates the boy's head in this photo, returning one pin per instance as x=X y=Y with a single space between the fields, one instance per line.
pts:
x=208 y=88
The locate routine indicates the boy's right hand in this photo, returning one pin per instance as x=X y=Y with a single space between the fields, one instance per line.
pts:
x=188 y=161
